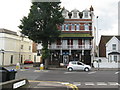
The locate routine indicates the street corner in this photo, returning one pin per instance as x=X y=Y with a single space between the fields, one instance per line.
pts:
x=52 y=85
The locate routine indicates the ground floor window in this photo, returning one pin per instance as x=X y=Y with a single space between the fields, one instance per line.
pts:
x=113 y=58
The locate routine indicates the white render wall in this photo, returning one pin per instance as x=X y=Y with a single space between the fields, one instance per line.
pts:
x=104 y=63
x=12 y=46
x=113 y=40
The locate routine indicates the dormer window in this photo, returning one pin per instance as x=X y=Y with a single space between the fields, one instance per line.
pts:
x=75 y=15
x=86 y=14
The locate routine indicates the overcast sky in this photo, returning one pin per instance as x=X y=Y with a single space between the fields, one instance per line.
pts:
x=11 y=11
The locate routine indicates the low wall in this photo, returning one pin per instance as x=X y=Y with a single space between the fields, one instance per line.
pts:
x=16 y=84
x=104 y=63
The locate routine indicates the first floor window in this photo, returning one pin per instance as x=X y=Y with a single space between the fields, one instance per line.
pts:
x=114 y=46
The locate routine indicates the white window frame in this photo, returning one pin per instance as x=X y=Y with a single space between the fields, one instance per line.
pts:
x=77 y=27
x=115 y=58
x=73 y=27
x=114 y=47
x=86 y=27
x=67 y=27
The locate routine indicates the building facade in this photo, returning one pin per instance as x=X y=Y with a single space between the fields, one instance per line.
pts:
x=15 y=48
x=109 y=48
x=76 y=40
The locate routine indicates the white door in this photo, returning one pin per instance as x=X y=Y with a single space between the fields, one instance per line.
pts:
x=65 y=59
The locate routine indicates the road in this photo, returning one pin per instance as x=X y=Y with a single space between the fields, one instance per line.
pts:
x=83 y=80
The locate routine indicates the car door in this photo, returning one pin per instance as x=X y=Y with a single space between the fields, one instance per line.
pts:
x=79 y=66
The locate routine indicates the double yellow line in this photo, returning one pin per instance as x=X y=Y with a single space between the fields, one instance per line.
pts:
x=74 y=87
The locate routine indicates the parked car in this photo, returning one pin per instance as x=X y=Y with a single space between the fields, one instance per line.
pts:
x=76 y=65
x=28 y=62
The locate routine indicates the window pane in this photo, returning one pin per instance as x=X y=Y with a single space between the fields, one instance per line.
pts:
x=73 y=27
x=86 y=27
x=75 y=15
x=115 y=58
x=86 y=14
x=67 y=26
x=77 y=27
x=114 y=46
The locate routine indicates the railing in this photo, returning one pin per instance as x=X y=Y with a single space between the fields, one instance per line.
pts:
x=70 y=47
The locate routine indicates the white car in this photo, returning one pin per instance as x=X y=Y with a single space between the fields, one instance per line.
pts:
x=76 y=65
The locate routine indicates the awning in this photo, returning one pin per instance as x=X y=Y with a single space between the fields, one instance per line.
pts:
x=111 y=53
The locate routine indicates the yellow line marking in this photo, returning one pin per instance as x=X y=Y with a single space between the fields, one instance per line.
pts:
x=74 y=87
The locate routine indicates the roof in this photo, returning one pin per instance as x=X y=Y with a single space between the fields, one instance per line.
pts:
x=75 y=35
x=105 y=39
x=2 y=30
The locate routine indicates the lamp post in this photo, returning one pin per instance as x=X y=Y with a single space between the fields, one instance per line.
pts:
x=97 y=43
x=2 y=51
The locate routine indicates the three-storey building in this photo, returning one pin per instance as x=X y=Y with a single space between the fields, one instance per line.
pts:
x=76 y=40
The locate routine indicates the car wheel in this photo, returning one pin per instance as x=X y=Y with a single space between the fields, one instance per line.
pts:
x=86 y=69
x=70 y=69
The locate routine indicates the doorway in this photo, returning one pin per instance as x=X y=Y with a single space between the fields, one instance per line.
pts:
x=65 y=59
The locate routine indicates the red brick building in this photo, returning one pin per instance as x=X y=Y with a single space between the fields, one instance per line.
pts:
x=76 y=39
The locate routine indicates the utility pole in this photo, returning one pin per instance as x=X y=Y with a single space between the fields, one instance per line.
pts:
x=97 y=42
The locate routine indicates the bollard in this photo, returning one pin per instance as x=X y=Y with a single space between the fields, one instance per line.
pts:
x=41 y=66
x=17 y=66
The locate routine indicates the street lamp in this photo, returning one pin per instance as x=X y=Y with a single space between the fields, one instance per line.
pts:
x=97 y=41
x=2 y=51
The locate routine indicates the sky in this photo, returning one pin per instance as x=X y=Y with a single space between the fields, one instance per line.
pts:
x=12 y=11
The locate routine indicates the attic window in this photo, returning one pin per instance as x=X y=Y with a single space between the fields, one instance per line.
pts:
x=75 y=15
x=86 y=14
x=114 y=46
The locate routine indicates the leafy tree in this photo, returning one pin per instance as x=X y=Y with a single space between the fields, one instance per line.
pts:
x=41 y=24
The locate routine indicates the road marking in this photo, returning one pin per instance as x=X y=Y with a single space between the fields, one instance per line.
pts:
x=113 y=83
x=69 y=72
x=40 y=71
x=116 y=72
x=92 y=72
x=65 y=83
x=101 y=83
x=89 y=83
x=77 y=83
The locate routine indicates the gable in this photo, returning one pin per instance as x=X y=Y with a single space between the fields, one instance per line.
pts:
x=112 y=40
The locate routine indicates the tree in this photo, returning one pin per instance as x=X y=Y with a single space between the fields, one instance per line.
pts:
x=41 y=25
